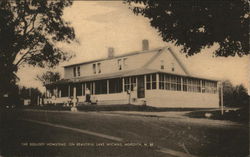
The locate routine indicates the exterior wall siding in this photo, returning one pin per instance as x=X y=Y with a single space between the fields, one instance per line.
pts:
x=168 y=61
x=111 y=65
x=181 y=99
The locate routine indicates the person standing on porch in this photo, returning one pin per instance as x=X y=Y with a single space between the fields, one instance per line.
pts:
x=87 y=92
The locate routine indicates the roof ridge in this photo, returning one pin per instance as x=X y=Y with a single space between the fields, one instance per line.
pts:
x=122 y=55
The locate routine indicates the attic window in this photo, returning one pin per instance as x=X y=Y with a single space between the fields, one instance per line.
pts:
x=172 y=67
x=162 y=64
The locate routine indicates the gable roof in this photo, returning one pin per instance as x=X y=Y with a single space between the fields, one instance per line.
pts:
x=118 y=56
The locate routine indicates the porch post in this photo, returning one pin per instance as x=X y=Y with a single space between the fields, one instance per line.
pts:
x=123 y=85
x=221 y=98
x=181 y=83
x=201 y=85
x=107 y=86
x=157 y=81
x=74 y=96
x=69 y=91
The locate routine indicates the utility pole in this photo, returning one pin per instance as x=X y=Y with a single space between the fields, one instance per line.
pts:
x=221 y=98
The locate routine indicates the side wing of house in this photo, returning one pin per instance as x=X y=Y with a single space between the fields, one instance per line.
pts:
x=167 y=61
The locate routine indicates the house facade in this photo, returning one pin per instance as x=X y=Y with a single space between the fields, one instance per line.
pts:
x=153 y=77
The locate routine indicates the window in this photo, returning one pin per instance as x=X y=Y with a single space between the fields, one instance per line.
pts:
x=119 y=61
x=74 y=71
x=179 y=83
x=148 y=81
x=78 y=71
x=133 y=83
x=172 y=66
x=161 y=81
x=101 y=87
x=191 y=85
x=78 y=89
x=129 y=83
x=209 y=86
x=99 y=67
x=151 y=81
x=125 y=62
x=162 y=64
x=64 y=90
x=94 y=68
x=169 y=82
x=115 y=85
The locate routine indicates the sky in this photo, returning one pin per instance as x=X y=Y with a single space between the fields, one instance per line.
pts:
x=102 y=24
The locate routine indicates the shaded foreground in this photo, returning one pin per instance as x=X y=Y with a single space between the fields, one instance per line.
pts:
x=187 y=137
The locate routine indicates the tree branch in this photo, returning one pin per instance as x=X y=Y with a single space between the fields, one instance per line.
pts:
x=28 y=52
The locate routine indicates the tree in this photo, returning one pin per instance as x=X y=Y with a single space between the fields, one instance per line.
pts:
x=235 y=95
x=49 y=77
x=29 y=30
x=30 y=93
x=197 y=24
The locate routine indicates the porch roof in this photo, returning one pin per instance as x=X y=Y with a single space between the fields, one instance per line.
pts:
x=120 y=74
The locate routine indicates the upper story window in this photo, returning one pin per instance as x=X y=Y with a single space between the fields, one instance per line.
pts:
x=119 y=61
x=78 y=71
x=74 y=71
x=94 y=68
x=99 y=67
x=122 y=63
x=125 y=64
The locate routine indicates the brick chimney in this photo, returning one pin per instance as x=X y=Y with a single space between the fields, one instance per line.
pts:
x=145 y=45
x=111 y=52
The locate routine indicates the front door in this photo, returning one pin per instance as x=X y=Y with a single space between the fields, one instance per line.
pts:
x=141 y=87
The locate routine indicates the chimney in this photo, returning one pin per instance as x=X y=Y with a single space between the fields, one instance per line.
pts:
x=145 y=45
x=111 y=52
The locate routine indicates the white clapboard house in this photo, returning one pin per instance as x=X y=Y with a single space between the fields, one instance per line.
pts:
x=155 y=77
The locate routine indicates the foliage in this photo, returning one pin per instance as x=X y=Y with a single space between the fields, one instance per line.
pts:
x=30 y=93
x=196 y=24
x=29 y=30
x=49 y=77
x=235 y=95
